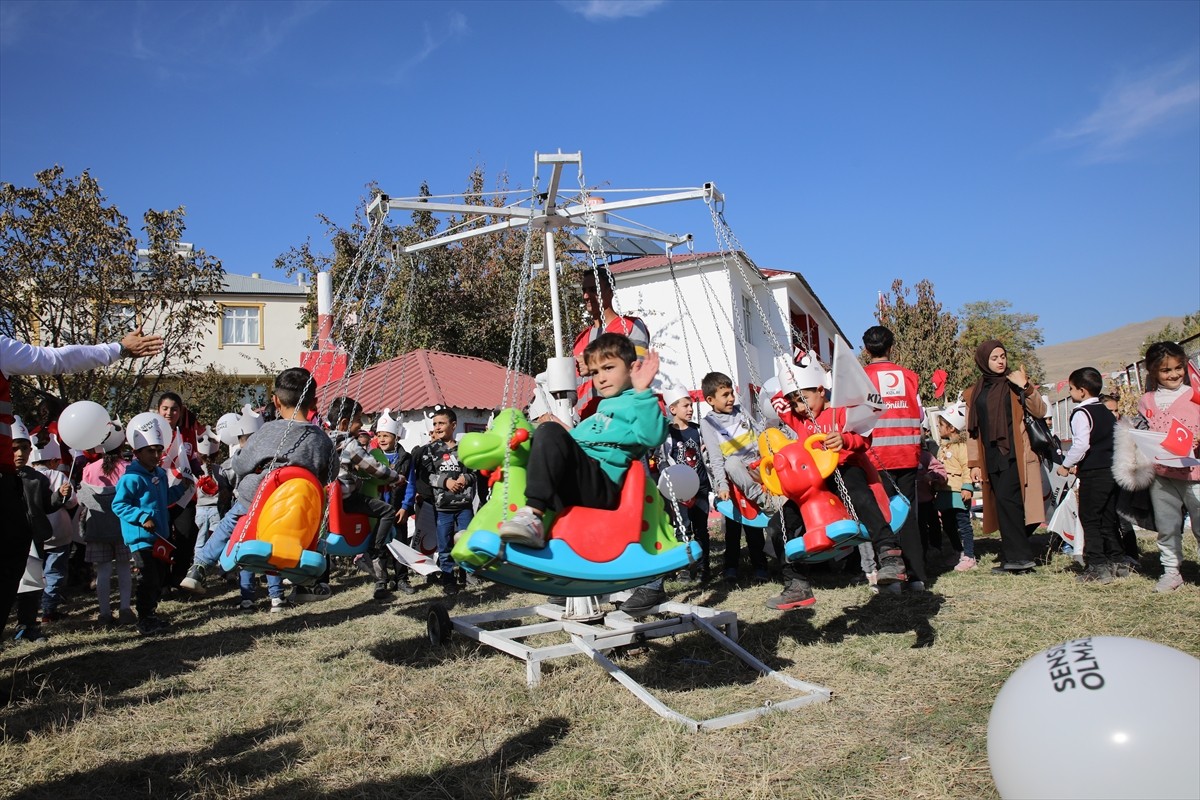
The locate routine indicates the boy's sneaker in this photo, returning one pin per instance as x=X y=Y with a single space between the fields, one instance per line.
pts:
x=1169 y=582
x=913 y=586
x=29 y=633
x=1096 y=573
x=281 y=604
x=1120 y=569
x=194 y=580
x=126 y=617
x=891 y=568
x=49 y=616
x=964 y=564
x=642 y=600
x=105 y=620
x=150 y=626
x=246 y=604
x=404 y=587
x=771 y=504
x=797 y=594
x=524 y=528
x=311 y=594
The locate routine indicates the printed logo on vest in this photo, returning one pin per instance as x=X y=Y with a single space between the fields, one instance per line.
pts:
x=891 y=383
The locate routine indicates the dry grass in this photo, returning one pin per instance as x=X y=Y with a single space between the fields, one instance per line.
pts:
x=346 y=698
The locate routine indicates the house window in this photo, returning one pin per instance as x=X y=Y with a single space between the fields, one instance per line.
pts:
x=241 y=325
x=806 y=334
x=746 y=318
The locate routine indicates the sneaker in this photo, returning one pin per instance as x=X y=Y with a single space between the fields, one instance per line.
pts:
x=1120 y=570
x=194 y=580
x=524 y=528
x=891 y=568
x=246 y=605
x=49 y=616
x=730 y=576
x=1067 y=550
x=281 y=604
x=913 y=586
x=105 y=620
x=126 y=617
x=797 y=594
x=965 y=563
x=404 y=587
x=761 y=576
x=151 y=626
x=642 y=600
x=311 y=594
x=29 y=633
x=1096 y=573
x=1169 y=582
x=771 y=504
x=887 y=588
x=473 y=579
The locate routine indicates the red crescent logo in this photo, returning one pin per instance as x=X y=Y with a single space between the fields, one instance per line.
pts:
x=893 y=380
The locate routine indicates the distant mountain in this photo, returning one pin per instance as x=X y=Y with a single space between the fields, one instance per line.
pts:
x=1106 y=352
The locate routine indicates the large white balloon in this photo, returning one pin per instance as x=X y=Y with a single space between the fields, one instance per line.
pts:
x=115 y=437
x=1096 y=718
x=682 y=479
x=83 y=425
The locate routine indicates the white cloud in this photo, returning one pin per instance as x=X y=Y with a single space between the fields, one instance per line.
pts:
x=604 y=10
x=1133 y=108
x=431 y=41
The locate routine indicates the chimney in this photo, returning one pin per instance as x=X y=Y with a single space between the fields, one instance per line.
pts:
x=324 y=311
x=256 y=275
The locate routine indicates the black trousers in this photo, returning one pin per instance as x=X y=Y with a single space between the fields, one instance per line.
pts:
x=152 y=574
x=904 y=482
x=695 y=524
x=1098 y=515
x=561 y=475
x=1010 y=513
x=866 y=508
x=183 y=525
x=15 y=538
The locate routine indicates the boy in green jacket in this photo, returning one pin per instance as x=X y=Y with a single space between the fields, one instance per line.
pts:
x=586 y=465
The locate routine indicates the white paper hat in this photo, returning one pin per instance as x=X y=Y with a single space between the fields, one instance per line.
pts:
x=207 y=443
x=50 y=451
x=116 y=437
x=956 y=415
x=389 y=424
x=673 y=394
x=19 y=429
x=249 y=422
x=807 y=374
x=144 y=431
x=227 y=429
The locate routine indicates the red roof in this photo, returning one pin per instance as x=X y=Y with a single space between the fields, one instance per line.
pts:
x=425 y=378
x=650 y=262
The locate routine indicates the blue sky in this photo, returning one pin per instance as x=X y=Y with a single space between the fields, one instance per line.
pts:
x=1001 y=150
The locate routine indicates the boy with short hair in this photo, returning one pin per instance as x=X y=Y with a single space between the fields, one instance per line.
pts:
x=288 y=440
x=40 y=501
x=141 y=502
x=586 y=465
x=732 y=445
x=1091 y=456
x=387 y=432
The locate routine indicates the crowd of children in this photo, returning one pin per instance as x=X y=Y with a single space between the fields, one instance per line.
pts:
x=118 y=504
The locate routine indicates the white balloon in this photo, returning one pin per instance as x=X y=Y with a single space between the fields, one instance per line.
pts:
x=1102 y=717
x=115 y=437
x=682 y=479
x=83 y=425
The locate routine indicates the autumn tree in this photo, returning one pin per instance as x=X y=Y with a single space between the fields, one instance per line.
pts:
x=70 y=270
x=1189 y=327
x=993 y=319
x=926 y=335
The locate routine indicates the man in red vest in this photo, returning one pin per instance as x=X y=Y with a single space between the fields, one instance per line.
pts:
x=896 y=442
x=18 y=358
x=599 y=299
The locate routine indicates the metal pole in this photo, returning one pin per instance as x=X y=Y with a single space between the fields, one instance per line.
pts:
x=552 y=272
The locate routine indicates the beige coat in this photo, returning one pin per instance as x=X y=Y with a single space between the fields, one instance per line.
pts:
x=1028 y=469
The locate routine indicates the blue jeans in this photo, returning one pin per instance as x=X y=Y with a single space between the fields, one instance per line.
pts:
x=957 y=522
x=210 y=554
x=448 y=524
x=207 y=518
x=246 y=581
x=54 y=568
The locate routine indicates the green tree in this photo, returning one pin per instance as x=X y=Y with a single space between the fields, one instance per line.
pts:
x=993 y=319
x=926 y=335
x=68 y=264
x=1171 y=332
x=212 y=391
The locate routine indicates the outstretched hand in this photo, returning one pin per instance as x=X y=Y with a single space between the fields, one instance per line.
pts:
x=642 y=373
x=137 y=344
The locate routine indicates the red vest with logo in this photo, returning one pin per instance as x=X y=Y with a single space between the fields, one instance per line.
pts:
x=6 y=421
x=896 y=441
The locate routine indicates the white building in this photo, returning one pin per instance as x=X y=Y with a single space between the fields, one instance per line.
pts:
x=694 y=328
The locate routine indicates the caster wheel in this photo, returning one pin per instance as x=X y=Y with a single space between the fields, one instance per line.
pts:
x=438 y=625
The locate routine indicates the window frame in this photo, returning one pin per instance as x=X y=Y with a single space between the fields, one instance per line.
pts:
x=222 y=306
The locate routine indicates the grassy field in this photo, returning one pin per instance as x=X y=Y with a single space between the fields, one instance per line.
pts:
x=346 y=698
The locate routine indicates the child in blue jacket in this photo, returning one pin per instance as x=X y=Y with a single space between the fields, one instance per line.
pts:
x=140 y=503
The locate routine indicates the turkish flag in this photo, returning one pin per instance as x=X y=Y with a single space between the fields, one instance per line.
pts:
x=939 y=382
x=1179 y=439
x=162 y=549
x=1194 y=380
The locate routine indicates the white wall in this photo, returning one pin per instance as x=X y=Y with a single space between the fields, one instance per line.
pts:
x=282 y=341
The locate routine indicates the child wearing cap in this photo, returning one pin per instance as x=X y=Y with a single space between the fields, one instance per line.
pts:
x=141 y=503
x=953 y=499
x=57 y=548
x=39 y=503
x=214 y=492
x=684 y=446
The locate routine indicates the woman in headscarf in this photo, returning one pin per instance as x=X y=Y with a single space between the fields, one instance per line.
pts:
x=999 y=455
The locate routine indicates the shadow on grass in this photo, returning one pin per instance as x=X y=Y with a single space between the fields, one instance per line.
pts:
x=59 y=690
x=488 y=777
x=237 y=759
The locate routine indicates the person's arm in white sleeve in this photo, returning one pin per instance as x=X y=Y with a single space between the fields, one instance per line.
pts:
x=1081 y=439
x=19 y=358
